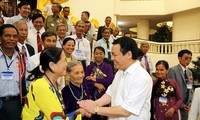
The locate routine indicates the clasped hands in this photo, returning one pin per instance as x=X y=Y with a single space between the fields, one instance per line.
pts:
x=87 y=107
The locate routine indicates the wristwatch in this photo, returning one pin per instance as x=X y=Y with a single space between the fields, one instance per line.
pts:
x=96 y=109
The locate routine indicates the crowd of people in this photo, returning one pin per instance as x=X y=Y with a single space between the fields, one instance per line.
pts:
x=52 y=69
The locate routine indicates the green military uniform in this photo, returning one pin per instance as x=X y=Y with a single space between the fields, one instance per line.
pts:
x=52 y=21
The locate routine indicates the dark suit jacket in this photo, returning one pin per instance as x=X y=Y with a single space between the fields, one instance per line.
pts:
x=99 y=35
x=177 y=74
x=31 y=50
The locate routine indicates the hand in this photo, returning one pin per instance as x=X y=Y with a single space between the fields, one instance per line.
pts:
x=85 y=113
x=187 y=108
x=90 y=78
x=99 y=86
x=170 y=112
x=88 y=105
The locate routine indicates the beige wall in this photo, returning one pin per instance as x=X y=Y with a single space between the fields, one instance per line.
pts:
x=98 y=9
x=186 y=25
x=139 y=7
x=173 y=6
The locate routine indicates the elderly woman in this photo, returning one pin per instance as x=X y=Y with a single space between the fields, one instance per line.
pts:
x=98 y=76
x=75 y=90
x=166 y=94
x=44 y=99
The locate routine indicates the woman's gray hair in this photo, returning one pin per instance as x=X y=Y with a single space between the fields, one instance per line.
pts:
x=72 y=64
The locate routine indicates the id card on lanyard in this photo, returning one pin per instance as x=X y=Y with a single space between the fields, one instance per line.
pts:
x=7 y=75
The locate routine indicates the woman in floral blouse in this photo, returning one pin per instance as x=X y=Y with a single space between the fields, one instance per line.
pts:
x=166 y=94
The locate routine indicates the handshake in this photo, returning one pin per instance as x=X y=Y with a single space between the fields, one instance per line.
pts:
x=88 y=107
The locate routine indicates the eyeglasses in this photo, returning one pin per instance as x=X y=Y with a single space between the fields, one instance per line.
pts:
x=187 y=58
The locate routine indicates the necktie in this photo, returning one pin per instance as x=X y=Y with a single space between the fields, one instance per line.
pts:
x=186 y=77
x=108 y=48
x=187 y=82
x=39 y=43
x=147 y=64
x=24 y=50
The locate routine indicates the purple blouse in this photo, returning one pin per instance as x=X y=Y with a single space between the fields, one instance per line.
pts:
x=104 y=76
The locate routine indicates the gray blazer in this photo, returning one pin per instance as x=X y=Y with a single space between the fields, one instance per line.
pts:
x=177 y=74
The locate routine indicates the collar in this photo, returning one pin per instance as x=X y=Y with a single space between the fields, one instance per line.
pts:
x=15 y=54
x=20 y=45
x=105 y=40
x=183 y=69
x=76 y=38
x=130 y=70
x=21 y=18
x=41 y=30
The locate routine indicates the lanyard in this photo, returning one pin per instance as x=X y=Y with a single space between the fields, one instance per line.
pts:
x=7 y=65
x=57 y=93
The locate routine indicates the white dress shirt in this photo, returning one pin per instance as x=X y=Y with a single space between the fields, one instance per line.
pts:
x=19 y=45
x=32 y=38
x=82 y=49
x=131 y=89
x=33 y=61
x=13 y=19
x=149 y=62
x=47 y=8
x=102 y=43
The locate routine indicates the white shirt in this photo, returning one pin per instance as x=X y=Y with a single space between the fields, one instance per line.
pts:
x=149 y=61
x=32 y=38
x=70 y=27
x=19 y=45
x=59 y=42
x=131 y=89
x=92 y=30
x=47 y=8
x=102 y=43
x=34 y=61
x=13 y=19
x=194 y=112
x=82 y=49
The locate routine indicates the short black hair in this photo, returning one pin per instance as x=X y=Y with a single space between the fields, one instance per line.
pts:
x=163 y=62
x=35 y=16
x=99 y=48
x=87 y=13
x=68 y=39
x=105 y=28
x=127 y=44
x=87 y=21
x=182 y=52
x=22 y=3
x=66 y=7
x=47 y=34
x=140 y=53
x=3 y=27
x=58 y=5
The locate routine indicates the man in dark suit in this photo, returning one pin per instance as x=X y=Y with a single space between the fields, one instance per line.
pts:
x=22 y=28
x=107 y=24
x=183 y=76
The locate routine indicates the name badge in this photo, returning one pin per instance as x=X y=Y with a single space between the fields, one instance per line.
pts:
x=163 y=100
x=52 y=24
x=189 y=86
x=7 y=75
x=78 y=51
